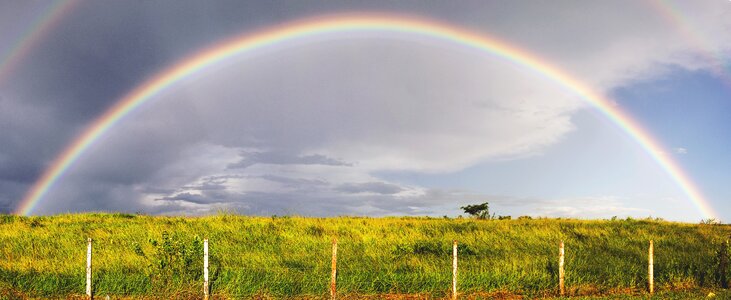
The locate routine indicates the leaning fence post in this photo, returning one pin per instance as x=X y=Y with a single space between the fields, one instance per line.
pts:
x=650 y=270
x=88 y=269
x=205 y=269
x=561 y=273
x=454 y=270
x=334 y=269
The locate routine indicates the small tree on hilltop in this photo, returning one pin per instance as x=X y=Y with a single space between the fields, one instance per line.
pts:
x=479 y=211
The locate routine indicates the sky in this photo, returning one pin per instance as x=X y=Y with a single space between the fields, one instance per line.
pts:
x=368 y=123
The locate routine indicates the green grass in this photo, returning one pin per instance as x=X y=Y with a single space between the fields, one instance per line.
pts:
x=290 y=256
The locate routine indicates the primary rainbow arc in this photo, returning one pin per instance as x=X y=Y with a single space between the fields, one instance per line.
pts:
x=345 y=24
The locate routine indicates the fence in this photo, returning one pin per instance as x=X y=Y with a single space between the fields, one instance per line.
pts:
x=454 y=291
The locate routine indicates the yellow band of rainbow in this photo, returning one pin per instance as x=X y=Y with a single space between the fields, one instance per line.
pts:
x=344 y=24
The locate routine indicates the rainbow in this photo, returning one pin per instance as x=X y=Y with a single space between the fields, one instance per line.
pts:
x=341 y=25
x=674 y=16
x=39 y=28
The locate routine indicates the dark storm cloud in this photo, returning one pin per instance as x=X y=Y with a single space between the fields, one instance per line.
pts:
x=95 y=196
x=18 y=171
x=9 y=190
x=27 y=133
x=152 y=190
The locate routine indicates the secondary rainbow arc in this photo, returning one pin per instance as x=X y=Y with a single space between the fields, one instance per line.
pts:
x=675 y=17
x=344 y=24
x=45 y=22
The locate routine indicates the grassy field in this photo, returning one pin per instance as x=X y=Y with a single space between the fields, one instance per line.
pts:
x=284 y=257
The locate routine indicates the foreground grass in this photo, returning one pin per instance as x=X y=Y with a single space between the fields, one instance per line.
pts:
x=290 y=256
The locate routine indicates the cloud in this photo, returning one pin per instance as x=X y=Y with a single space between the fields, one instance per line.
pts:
x=25 y=122
x=681 y=150
x=384 y=199
x=306 y=126
x=369 y=187
x=293 y=182
x=589 y=208
x=280 y=158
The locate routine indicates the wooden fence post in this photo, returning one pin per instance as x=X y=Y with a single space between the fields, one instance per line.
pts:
x=650 y=266
x=723 y=264
x=561 y=273
x=205 y=269
x=88 y=269
x=454 y=270
x=334 y=274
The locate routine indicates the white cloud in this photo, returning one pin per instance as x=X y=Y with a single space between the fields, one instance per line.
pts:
x=681 y=150
x=612 y=43
x=381 y=105
x=589 y=208
x=304 y=127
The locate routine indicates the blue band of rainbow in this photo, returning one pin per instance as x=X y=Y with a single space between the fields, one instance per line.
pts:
x=344 y=24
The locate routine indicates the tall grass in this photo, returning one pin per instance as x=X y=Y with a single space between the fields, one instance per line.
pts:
x=290 y=256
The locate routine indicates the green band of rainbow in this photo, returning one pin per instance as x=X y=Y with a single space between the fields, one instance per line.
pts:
x=345 y=24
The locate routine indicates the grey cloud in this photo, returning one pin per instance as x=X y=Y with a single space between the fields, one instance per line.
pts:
x=210 y=183
x=282 y=158
x=96 y=196
x=206 y=186
x=156 y=190
x=193 y=198
x=28 y=138
x=19 y=171
x=376 y=103
x=10 y=190
x=294 y=182
x=327 y=199
x=270 y=203
x=323 y=198
x=369 y=187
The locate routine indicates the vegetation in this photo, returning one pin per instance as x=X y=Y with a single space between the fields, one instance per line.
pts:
x=480 y=211
x=290 y=256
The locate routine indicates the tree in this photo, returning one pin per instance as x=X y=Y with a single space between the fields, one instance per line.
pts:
x=480 y=211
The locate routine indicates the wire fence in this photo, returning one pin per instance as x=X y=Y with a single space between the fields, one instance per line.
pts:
x=461 y=272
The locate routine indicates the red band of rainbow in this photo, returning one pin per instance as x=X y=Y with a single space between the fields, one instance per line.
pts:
x=344 y=24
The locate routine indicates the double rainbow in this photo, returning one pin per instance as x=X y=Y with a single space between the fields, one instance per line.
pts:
x=341 y=25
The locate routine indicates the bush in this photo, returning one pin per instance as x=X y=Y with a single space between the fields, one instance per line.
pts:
x=175 y=261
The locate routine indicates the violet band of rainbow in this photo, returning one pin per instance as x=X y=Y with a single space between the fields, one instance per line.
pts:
x=345 y=24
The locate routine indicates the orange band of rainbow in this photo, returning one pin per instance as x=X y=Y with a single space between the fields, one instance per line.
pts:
x=345 y=24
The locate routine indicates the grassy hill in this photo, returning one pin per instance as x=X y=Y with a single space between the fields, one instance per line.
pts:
x=290 y=256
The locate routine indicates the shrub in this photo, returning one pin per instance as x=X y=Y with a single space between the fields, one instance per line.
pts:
x=175 y=261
